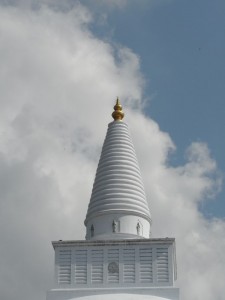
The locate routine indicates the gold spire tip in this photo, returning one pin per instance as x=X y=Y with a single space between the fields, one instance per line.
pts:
x=118 y=113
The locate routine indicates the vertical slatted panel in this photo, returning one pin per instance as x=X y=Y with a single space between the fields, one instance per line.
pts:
x=97 y=266
x=162 y=265
x=81 y=266
x=64 y=269
x=129 y=265
x=113 y=256
x=145 y=256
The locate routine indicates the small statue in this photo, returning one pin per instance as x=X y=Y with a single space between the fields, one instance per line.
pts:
x=138 y=228
x=114 y=226
x=92 y=230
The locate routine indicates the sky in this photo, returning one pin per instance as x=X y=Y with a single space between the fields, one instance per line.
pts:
x=63 y=63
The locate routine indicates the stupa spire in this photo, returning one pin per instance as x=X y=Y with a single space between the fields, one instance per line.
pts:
x=118 y=259
x=118 y=206
x=118 y=113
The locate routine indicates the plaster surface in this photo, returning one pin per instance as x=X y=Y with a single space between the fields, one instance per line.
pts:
x=112 y=294
x=118 y=202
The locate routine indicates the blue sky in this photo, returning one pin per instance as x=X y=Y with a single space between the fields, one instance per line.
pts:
x=181 y=45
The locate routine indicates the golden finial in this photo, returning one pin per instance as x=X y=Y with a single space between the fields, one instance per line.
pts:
x=118 y=113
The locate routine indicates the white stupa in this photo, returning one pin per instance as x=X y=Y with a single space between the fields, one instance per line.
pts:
x=118 y=259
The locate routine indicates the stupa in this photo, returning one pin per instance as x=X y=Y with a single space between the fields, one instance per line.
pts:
x=118 y=259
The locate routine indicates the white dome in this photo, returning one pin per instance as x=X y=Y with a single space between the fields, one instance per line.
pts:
x=118 y=187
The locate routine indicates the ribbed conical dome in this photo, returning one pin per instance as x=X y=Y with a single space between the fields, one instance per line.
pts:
x=118 y=187
x=118 y=184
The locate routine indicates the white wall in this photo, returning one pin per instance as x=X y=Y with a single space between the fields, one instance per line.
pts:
x=126 y=227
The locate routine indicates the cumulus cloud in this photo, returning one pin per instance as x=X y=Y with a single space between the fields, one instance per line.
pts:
x=58 y=83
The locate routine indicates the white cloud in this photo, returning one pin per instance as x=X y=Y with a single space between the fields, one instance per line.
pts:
x=122 y=4
x=58 y=83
